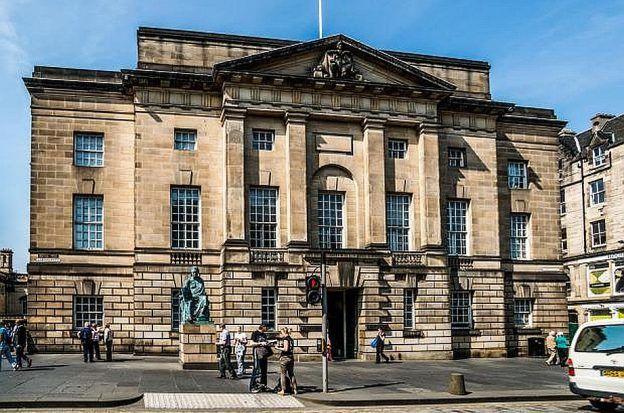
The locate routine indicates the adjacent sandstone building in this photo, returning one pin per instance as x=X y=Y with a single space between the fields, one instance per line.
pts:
x=13 y=289
x=591 y=171
x=437 y=205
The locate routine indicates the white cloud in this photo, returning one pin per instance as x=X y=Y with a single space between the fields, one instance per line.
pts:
x=12 y=54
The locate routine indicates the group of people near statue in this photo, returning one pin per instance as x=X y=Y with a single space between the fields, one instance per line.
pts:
x=261 y=349
x=14 y=339
x=91 y=335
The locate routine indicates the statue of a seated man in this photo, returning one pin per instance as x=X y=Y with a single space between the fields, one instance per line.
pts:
x=193 y=300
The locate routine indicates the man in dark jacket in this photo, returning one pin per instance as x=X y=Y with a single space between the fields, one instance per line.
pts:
x=20 y=341
x=86 y=338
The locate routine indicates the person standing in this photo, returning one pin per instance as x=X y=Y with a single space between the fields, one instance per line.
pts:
x=240 y=348
x=20 y=341
x=379 y=348
x=5 y=346
x=287 y=362
x=97 y=337
x=108 y=340
x=562 y=348
x=261 y=353
x=86 y=339
x=551 y=348
x=225 y=345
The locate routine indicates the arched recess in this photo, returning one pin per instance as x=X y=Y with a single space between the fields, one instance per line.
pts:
x=335 y=178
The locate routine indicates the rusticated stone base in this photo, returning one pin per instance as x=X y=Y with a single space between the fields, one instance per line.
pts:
x=198 y=349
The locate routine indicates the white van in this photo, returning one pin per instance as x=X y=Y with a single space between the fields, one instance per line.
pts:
x=596 y=363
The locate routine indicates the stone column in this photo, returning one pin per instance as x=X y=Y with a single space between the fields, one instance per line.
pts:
x=296 y=181
x=233 y=124
x=374 y=184
x=429 y=187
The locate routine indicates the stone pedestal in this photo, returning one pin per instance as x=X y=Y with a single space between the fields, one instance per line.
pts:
x=198 y=348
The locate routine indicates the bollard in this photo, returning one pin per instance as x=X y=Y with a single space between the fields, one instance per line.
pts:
x=457 y=385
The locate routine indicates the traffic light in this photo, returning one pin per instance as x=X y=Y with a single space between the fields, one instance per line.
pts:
x=313 y=289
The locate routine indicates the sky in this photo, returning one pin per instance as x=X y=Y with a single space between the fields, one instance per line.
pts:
x=565 y=55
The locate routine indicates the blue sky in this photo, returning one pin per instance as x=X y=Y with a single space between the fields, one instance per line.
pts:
x=566 y=55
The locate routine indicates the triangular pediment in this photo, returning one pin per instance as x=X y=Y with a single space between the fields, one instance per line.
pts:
x=338 y=58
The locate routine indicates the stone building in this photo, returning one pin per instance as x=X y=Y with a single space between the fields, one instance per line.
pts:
x=591 y=170
x=13 y=289
x=438 y=205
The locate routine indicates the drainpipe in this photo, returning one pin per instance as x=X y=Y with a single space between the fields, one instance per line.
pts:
x=584 y=225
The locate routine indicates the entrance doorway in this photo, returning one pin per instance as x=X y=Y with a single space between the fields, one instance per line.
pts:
x=342 y=318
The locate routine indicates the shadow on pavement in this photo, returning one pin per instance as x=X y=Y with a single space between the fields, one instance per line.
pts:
x=368 y=386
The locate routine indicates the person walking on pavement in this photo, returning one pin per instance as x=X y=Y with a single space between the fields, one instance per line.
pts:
x=261 y=353
x=551 y=348
x=379 y=348
x=240 y=348
x=86 y=339
x=562 y=348
x=5 y=346
x=108 y=340
x=287 y=363
x=225 y=345
x=20 y=341
x=97 y=337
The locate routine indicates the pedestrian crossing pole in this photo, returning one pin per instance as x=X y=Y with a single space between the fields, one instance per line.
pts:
x=324 y=320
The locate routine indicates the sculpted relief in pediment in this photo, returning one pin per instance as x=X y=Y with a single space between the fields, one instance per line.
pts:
x=337 y=64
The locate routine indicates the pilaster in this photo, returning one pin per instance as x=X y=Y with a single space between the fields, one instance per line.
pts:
x=374 y=183
x=296 y=181
x=233 y=124
x=429 y=186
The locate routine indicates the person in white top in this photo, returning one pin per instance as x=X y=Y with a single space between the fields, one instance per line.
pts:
x=240 y=343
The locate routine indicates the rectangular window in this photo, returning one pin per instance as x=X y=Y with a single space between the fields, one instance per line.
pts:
x=519 y=236
x=262 y=140
x=597 y=192
x=456 y=227
x=523 y=308
x=185 y=139
x=175 y=309
x=599 y=233
x=89 y=149
x=330 y=219
x=185 y=217
x=562 y=202
x=88 y=222
x=517 y=175
x=88 y=308
x=457 y=157
x=409 y=296
x=564 y=240
x=397 y=148
x=263 y=217
x=269 y=301
x=461 y=310
x=397 y=221
x=598 y=155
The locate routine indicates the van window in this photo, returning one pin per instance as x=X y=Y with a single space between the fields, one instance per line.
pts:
x=601 y=339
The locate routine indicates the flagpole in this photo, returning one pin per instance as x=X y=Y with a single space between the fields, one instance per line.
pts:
x=320 y=18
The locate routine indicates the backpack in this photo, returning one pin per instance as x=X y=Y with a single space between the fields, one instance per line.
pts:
x=374 y=342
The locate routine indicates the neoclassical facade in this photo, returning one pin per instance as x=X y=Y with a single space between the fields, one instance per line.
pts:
x=436 y=205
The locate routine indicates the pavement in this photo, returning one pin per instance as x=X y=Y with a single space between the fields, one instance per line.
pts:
x=63 y=380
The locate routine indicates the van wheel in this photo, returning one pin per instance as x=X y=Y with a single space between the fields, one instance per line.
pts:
x=604 y=407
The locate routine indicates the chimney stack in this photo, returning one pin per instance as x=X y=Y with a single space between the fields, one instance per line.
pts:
x=6 y=260
x=599 y=120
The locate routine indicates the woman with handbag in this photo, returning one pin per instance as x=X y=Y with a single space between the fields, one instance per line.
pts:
x=287 y=363
x=379 y=348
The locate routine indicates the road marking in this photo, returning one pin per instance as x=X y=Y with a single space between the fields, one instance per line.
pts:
x=177 y=401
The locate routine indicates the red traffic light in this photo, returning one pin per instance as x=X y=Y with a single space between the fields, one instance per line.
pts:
x=313 y=289
x=314 y=282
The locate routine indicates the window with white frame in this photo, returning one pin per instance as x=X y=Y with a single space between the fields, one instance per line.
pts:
x=599 y=233
x=562 y=202
x=262 y=140
x=461 y=309
x=185 y=139
x=88 y=222
x=185 y=213
x=456 y=227
x=88 y=309
x=457 y=157
x=397 y=221
x=564 y=240
x=397 y=148
x=175 y=309
x=89 y=149
x=263 y=217
x=597 y=191
x=519 y=236
x=517 y=175
x=409 y=297
x=269 y=304
x=523 y=309
x=599 y=156
x=330 y=212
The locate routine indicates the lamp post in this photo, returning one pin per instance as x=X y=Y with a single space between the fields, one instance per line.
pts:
x=324 y=321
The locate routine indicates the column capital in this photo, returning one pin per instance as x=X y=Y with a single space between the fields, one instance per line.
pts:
x=373 y=123
x=295 y=117
x=232 y=112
